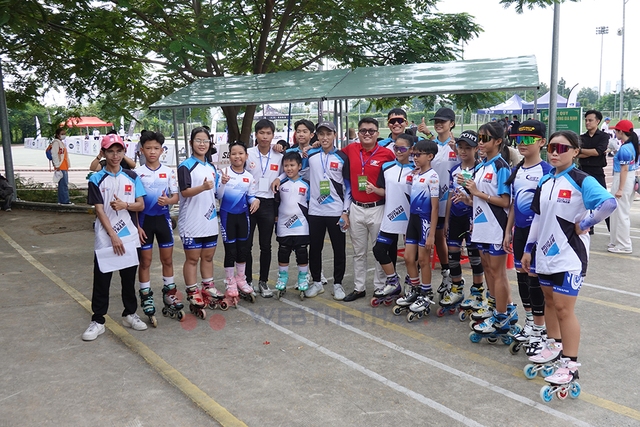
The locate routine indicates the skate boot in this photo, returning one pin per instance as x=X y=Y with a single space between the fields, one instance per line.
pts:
x=545 y=361
x=536 y=341
x=245 y=290
x=196 y=302
x=445 y=286
x=303 y=283
x=389 y=294
x=212 y=297
x=172 y=304
x=562 y=382
x=484 y=312
x=451 y=300
x=421 y=306
x=146 y=303
x=231 y=292
x=403 y=303
x=493 y=328
x=521 y=338
x=474 y=301
x=281 y=282
x=512 y=318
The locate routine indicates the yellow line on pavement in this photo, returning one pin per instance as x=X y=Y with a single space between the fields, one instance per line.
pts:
x=168 y=372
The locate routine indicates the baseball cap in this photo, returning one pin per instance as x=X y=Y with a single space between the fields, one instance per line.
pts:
x=327 y=125
x=444 y=114
x=607 y=118
x=109 y=140
x=531 y=128
x=470 y=137
x=623 y=125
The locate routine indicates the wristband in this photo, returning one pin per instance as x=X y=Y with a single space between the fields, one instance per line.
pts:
x=127 y=206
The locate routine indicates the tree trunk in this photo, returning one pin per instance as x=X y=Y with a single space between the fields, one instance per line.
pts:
x=231 y=114
x=247 y=124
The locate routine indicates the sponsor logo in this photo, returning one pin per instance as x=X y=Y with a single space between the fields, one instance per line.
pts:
x=375 y=162
x=252 y=165
x=564 y=196
x=394 y=213
x=291 y=221
x=532 y=178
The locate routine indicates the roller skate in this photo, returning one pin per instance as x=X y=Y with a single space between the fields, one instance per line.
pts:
x=231 y=292
x=411 y=294
x=546 y=361
x=245 y=290
x=281 y=284
x=389 y=294
x=483 y=313
x=562 y=382
x=146 y=302
x=446 y=284
x=212 y=298
x=494 y=328
x=196 y=302
x=473 y=303
x=172 y=304
x=451 y=301
x=521 y=339
x=421 y=306
x=536 y=341
x=303 y=283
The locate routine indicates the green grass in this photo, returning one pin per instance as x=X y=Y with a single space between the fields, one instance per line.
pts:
x=32 y=191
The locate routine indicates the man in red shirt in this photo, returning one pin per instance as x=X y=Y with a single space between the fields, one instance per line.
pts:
x=365 y=163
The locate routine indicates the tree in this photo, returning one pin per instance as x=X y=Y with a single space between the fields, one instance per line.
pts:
x=588 y=98
x=530 y=4
x=130 y=53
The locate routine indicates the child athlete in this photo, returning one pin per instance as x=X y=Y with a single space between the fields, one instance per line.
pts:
x=421 y=233
x=236 y=192
x=198 y=220
x=394 y=184
x=458 y=227
x=530 y=137
x=559 y=231
x=292 y=229
x=161 y=186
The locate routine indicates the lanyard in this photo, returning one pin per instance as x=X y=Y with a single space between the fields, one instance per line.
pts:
x=324 y=164
x=370 y=157
x=264 y=169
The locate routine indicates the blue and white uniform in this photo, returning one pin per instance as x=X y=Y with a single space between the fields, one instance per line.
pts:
x=626 y=155
x=443 y=162
x=125 y=185
x=396 y=179
x=304 y=171
x=490 y=221
x=198 y=216
x=238 y=193
x=424 y=186
x=293 y=208
x=459 y=214
x=458 y=208
x=523 y=189
x=329 y=167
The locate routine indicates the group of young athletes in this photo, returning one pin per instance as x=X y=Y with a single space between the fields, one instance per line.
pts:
x=452 y=195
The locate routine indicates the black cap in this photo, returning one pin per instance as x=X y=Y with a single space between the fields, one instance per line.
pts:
x=531 y=128
x=444 y=114
x=470 y=137
x=327 y=125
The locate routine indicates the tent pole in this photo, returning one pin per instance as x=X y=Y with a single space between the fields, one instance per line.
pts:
x=6 y=138
x=289 y=125
x=175 y=136
x=346 y=122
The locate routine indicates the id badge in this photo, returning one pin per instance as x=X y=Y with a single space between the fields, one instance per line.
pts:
x=325 y=188
x=263 y=184
x=362 y=183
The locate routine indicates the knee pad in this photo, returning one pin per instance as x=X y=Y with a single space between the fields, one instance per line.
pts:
x=475 y=261
x=302 y=255
x=523 y=288
x=284 y=252
x=454 y=264
x=536 y=296
x=381 y=253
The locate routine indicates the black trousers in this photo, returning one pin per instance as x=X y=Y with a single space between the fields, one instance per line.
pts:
x=264 y=218
x=101 y=285
x=598 y=174
x=318 y=226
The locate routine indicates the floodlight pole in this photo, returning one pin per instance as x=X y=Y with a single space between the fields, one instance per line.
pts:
x=601 y=31
x=624 y=3
x=553 y=95
x=6 y=135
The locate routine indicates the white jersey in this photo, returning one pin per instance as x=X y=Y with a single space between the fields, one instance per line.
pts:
x=458 y=209
x=523 y=189
x=490 y=221
x=265 y=169
x=293 y=208
x=198 y=216
x=424 y=187
x=329 y=167
x=396 y=179
x=103 y=186
x=236 y=195
x=156 y=182
x=559 y=202
x=443 y=162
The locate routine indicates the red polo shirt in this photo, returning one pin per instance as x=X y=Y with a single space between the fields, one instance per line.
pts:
x=371 y=163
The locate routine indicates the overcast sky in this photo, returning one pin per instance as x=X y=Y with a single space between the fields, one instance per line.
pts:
x=508 y=34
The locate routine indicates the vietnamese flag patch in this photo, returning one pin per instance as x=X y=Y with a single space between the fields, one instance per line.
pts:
x=452 y=155
x=333 y=166
x=302 y=191
x=564 y=194
x=409 y=178
x=245 y=179
x=127 y=188
x=273 y=167
x=162 y=175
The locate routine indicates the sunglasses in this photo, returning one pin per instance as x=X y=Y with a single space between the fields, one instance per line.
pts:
x=367 y=131
x=555 y=147
x=396 y=121
x=484 y=138
x=527 y=140
x=419 y=153
x=400 y=149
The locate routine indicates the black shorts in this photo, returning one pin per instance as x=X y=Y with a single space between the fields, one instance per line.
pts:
x=207 y=242
x=520 y=235
x=234 y=226
x=417 y=230
x=293 y=241
x=158 y=226
x=459 y=230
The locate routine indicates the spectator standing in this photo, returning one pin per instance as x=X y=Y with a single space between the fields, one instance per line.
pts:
x=60 y=159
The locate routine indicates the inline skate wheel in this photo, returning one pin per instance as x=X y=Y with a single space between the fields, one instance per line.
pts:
x=411 y=316
x=388 y=302
x=546 y=394
x=530 y=371
x=492 y=340
x=475 y=337
x=575 y=390
x=180 y=315
x=506 y=339
x=563 y=393
x=301 y=296
x=252 y=298
x=375 y=302
x=396 y=310
x=224 y=306
x=463 y=316
x=547 y=371
x=452 y=311
x=440 y=312
x=515 y=329
x=514 y=348
x=153 y=321
x=165 y=312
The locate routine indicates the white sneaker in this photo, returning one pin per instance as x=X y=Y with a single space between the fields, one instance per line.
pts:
x=338 y=292
x=314 y=289
x=93 y=331
x=133 y=321
x=323 y=279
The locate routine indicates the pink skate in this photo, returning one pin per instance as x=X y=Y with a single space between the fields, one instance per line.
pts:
x=563 y=382
x=231 y=292
x=196 y=302
x=212 y=298
x=246 y=291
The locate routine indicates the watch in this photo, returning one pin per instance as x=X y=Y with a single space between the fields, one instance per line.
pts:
x=346 y=211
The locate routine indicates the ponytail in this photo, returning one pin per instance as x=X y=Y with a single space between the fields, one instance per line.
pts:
x=512 y=177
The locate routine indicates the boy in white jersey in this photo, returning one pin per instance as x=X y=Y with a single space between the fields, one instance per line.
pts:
x=443 y=122
x=292 y=229
x=160 y=184
x=115 y=195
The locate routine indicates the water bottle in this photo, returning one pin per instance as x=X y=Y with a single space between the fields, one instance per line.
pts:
x=342 y=225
